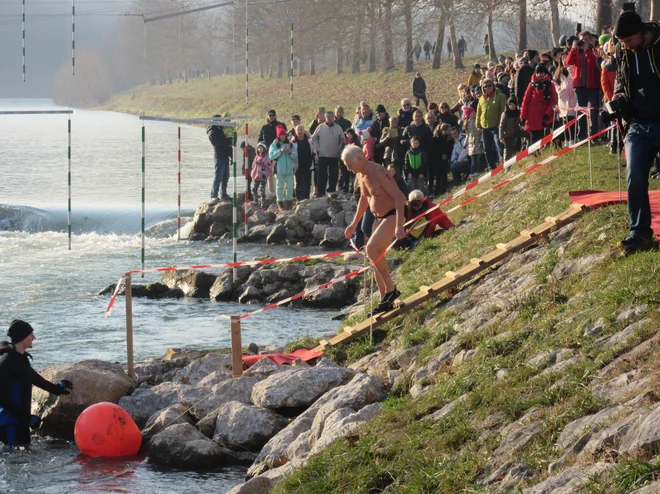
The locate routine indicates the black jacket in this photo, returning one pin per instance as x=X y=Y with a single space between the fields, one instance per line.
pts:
x=222 y=145
x=626 y=61
x=267 y=133
x=522 y=80
x=16 y=380
x=418 y=87
x=406 y=117
x=377 y=132
x=422 y=131
x=344 y=123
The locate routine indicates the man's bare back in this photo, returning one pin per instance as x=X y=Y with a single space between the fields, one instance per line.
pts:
x=381 y=201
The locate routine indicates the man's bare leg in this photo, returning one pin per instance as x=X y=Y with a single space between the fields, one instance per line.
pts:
x=380 y=239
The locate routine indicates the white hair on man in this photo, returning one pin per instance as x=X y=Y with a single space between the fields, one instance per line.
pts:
x=352 y=152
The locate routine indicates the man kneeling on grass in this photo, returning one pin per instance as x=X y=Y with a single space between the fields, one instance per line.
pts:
x=379 y=192
x=425 y=226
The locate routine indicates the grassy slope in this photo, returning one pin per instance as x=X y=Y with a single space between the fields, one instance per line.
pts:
x=398 y=450
x=200 y=98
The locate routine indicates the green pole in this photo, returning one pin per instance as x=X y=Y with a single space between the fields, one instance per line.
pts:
x=234 y=230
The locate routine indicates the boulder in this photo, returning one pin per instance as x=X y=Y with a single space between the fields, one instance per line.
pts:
x=335 y=296
x=222 y=288
x=643 y=436
x=256 y=234
x=182 y=445
x=260 y=217
x=187 y=354
x=339 y=220
x=318 y=232
x=193 y=283
x=264 y=368
x=250 y=294
x=246 y=427
x=316 y=208
x=144 y=402
x=256 y=485
x=277 y=235
x=162 y=419
x=290 y=272
x=215 y=378
x=333 y=237
x=239 y=389
x=94 y=381
x=218 y=229
x=299 y=388
x=341 y=424
x=570 y=480
x=212 y=212
x=589 y=423
x=197 y=370
x=157 y=371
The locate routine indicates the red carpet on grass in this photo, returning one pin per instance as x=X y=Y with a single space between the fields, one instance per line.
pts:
x=596 y=198
x=283 y=358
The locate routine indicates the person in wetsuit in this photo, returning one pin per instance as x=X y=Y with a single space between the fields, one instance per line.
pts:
x=16 y=380
x=381 y=194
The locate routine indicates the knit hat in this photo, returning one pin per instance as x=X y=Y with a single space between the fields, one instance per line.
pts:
x=262 y=145
x=541 y=68
x=628 y=24
x=513 y=100
x=467 y=111
x=531 y=54
x=603 y=38
x=381 y=109
x=19 y=330
x=280 y=131
x=272 y=112
x=501 y=76
x=562 y=40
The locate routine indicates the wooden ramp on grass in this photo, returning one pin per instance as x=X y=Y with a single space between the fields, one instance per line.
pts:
x=454 y=278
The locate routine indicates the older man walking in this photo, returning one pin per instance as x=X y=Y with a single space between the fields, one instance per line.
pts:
x=328 y=141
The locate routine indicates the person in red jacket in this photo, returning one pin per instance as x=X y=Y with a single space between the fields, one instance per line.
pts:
x=427 y=225
x=586 y=81
x=538 y=104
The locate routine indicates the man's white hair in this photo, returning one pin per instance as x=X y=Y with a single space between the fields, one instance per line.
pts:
x=352 y=152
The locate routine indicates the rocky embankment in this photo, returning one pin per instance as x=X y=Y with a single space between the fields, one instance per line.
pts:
x=194 y=415
x=313 y=222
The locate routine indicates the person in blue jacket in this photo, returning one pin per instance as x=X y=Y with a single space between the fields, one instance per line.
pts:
x=284 y=154
x=16 y=380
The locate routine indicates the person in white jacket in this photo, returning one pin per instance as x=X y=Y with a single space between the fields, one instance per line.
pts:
x=566 y=99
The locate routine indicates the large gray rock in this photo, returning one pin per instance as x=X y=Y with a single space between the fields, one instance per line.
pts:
x=256 y=485
x=339 y=425
x=193 y=283
x=590 y=423
x=250 y=294
x=212 y=212
x=182 y=445
x=316 y=208
x=222 y=288
x=256 y=234
x=336 y=296
x=159 y=370
x=643 y=436
x=239 y=389
x=570 y=480
x=333 y=237
x=277 y=235
x=266 y=367
x=260 y=217
x=246 y=427
x=144 y=402
x=161 y=420
x=197 y=370
x=300 y=387
x=653 y=488
x=94 y=381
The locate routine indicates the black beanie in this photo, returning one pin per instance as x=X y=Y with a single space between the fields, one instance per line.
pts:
x=541 y=68
x=628 y=24
x=19 y=330
x=513 y=100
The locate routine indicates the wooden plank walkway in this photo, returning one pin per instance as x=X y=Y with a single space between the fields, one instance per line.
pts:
x=454 y=278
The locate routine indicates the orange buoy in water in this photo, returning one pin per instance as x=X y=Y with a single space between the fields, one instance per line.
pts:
x=106 y=429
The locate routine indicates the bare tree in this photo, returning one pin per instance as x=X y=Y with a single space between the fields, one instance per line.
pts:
x=456 y=53
x=603 y=14
x=554 y=21
x=386 y=27
x=522 y=25
x=407 y=15
x=440 y=39
x=357 y=40
x=373 y=34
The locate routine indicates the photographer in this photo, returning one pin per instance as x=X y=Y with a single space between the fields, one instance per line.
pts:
x=586 y=80
x=637 y=100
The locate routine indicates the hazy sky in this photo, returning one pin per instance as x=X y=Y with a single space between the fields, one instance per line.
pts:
x=48 y=39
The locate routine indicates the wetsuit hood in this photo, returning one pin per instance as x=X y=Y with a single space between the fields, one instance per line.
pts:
x=8 y=347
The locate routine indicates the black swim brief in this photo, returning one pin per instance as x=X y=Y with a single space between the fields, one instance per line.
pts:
x=389 y=213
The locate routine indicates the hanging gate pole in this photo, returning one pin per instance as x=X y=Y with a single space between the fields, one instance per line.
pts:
x=178 y=211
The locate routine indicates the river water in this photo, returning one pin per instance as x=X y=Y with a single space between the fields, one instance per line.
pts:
x=55 y=289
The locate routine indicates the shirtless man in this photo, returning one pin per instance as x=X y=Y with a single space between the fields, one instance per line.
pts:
x=380 y=192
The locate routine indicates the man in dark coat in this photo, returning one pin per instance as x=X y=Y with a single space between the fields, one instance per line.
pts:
x=524 y=74
x=382 y=122
x=267 y=133
x=16 y=380
x=222 y=149
x=419 y=90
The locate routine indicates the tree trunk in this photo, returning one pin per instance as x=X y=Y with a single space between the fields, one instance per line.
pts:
x=261 y=68
x=522 y=26
x=356 y=44
x=603 y=14
x=439 y=41
x=340 y=53
x=409 y=37
x=554 y=22
x=456 y=53
x=280 y=67
x=655 y=10
x=387 y=35
x=270 y=67
x=491 y=41
x=312 y=61
x=301 y=63
x=373 y=33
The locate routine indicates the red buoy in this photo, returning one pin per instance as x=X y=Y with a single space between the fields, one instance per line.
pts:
x=106 y=429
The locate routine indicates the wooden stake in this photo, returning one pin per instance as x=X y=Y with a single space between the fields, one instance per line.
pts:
x=129 y=325
x=236 y=347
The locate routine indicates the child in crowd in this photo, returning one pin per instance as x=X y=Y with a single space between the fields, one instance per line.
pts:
x=415 y=165
x=368 y=143
x=510 y=129
x=474 y=143
x=391 y=171
x=261 y=170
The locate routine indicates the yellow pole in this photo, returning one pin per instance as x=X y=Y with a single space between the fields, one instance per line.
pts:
x=236 y=347
x=129 y=325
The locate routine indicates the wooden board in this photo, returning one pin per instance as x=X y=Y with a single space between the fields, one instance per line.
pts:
x=454 y=278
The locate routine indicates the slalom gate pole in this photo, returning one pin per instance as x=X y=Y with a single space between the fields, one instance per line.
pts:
x=617 y=135
x=143 y=195
x=591 y=171
x=291 y=64
x=69 y=183
x=246 y=165
x=23 y=12
x=178 y=209
x=234 y=230
x=246 y=51
x=73 y=37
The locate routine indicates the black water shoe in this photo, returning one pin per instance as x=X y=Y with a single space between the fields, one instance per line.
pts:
x=387 y=303
x=635 y=243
